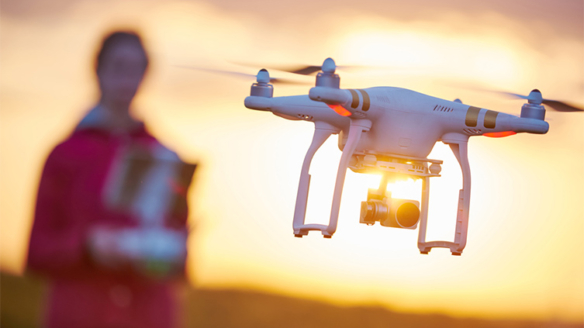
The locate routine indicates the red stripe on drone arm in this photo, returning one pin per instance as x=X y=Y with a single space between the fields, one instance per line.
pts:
x=499 y=134
x=340 y=110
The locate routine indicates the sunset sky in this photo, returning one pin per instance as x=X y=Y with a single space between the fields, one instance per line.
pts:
x=525 y=252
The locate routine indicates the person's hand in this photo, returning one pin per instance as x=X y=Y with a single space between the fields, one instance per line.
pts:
x=103 y=247
x=156 y=252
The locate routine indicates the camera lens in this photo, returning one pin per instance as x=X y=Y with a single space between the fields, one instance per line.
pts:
x=373 y=210
x=407 y=215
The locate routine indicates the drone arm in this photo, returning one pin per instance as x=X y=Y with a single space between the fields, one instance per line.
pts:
x=321 y=133
x=358 y=126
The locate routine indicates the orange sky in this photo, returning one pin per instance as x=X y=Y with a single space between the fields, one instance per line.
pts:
x=525 y=252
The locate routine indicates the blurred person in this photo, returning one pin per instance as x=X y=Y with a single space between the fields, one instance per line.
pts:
x=110 y=220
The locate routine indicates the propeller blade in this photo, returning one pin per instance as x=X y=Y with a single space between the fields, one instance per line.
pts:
x=309 y=69
x=561 y=106
x=273 y=80
x=302 y=70
x=510 y=94
x=556 y=105
x=210 y=70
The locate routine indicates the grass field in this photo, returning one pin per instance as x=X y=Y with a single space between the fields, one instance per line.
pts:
x=22 y=298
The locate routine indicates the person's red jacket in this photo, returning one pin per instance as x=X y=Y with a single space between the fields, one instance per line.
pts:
x=69 y=205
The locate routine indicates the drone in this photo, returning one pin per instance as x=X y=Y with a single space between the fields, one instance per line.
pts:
x=390 y=131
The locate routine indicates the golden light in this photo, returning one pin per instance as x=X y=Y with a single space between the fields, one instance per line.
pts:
x=393 y=48
x=516 y=264
x=429 y=50
x=406 y=189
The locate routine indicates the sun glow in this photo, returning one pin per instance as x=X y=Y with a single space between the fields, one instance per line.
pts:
x=416 y=50
x=406 y=189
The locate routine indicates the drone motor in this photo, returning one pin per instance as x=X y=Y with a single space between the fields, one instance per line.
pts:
x=533 y=108
x=262 y=88
x=328 y=78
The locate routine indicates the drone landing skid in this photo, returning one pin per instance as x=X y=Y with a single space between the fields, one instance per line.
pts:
x=388 y=164
x=321 y=133
x=460 y=150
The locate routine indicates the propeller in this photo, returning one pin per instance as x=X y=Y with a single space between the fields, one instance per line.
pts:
x=535 y=97
x=328 y=66
x=262 y=77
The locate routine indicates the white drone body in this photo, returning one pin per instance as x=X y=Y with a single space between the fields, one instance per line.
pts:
x=390 y=131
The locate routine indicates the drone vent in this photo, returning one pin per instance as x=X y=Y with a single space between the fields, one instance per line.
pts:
x=438 y=108
x=473 y=132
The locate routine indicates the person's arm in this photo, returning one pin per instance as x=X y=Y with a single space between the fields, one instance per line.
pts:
x=57 y=241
